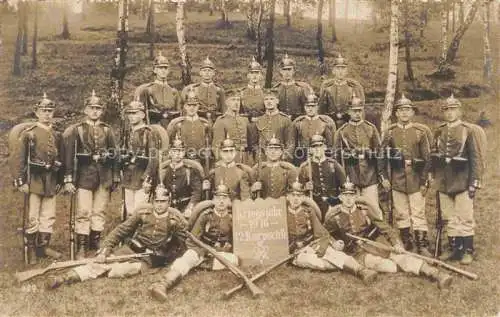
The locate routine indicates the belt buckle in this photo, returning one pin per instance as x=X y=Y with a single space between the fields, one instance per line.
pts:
x=361 y=156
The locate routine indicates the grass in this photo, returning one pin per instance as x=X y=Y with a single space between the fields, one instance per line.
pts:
x=69 y=70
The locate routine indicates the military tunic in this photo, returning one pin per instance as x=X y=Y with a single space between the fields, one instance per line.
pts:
x=335 y=96
x=304 y=227
x=276 y=178
x=252 y=101
x=184 y=183
x=158 y=96
x=276 y=125
x=194 y=132
x=236 y=128
x=213 y=229
x=211 y=97
x=292 y=97
x=232 y=176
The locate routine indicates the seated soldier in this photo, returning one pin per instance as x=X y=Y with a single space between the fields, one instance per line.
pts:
x=214 y=227
x=349 y=217
x=155 y=227
x=304 y=227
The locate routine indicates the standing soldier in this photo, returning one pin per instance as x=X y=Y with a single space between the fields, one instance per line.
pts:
x=274 y=177
x=322 y=175
x=193 y=130
x=97 y=173
x=39 y=177
x=155 y=227
x=336 y=93
x=358 y=143
x=291 y=93
x=234 y=175
x=354 y=219
x=310 y=124
x=235 y=126
x=139 y=145
x=211 y=95
x=325 y=255
x=161 y=100
x=457 y=167
x=252 y=96
x=213 y=227
x=407 y=146
x=274 y=123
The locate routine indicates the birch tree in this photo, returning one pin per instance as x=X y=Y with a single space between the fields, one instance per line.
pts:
x=16 y=69
x=34 y=61
x=118 y=71
x=151 y=28
x=251 y=14
x=259 y=35
x=392 y=76
x=270 y=44
x=25 y=27
x=407 y=39
x=319 y=38
x=444 y=31
x=331 y=18
x=488 y=62
x=181 y=38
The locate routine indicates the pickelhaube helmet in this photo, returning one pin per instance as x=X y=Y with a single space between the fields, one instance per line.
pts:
x=311 y=100
x=403 y=102
x=93 y=100
x=452 y=102
x=221 y=190
x=177 y=144
x=45 y=103
x=356 y=102
x=161 y=60
x=134 y=106
x=348 y=187
x=228 y=143
x=317 y=139
x=254 y=66
x=161 y=193
x=296 y=187
x=191 y=98
x=339 y=61
x=207 y=63
x=287 y=62
x=274 y=142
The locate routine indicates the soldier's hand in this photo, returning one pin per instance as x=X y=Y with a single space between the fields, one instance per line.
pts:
x=69 y=188
x=398 y=248
x=386 y=185
x=472 y=192
x=309 y=186
x=338 y=245
x=423 y=190
x=25 y=188
x=188 y=211
x=206 y=185
x=101 y=256
x=256 y=186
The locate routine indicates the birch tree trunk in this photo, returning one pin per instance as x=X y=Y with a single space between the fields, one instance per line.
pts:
x=16 y=69
x=259 y=34
x=393 y=68
x=331 y=18
x=407 y=36
x=151 y=28
x=444 y=32
x=25 y=27
x=319 y=38
x=181 y=38
x=461 y=12
x=35 y=38
x=488 y=62
x=65 y=32
x=251 y=23
x=270 y=44
x=119 y=66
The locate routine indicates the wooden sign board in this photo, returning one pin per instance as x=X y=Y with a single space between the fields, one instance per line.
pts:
x=260 y=234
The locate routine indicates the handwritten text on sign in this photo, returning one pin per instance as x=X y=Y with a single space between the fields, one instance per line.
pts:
x=260 y=233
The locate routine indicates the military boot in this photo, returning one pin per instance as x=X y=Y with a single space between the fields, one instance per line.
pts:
x=159 y=290
x=367 y=276
x=55 y=281
x=31 y=244
x=43 y=249
x=81 y=246
x=94 y=240
x=454 y=250
x=422 y=243
x=443 y=279
x=468 y=249
x=406 y=238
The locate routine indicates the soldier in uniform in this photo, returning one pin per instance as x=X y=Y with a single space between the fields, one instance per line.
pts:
x=161 y=100
x=325 y=255
x=211 y=95
x=137 y=160
x=156 y=228
x=310 y=124
x=274 y=123
x=407 y=146
x=291 y=93
x=39 y=176
x=457 y=169
x=351 y=218
x=358 y=143
x=182 y=179
x=95 y=175
x=274 y=177
x=336 y=93
x=193 y=130
x=214 y=227
x=327 y=175
x=252 y=96
x=234 y=125
x=234 y=175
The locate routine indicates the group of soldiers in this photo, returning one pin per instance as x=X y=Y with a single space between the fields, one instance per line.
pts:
x=253 y=143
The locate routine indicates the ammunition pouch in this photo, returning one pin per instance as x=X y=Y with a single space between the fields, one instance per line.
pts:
x=459 y=162
x=141 y=161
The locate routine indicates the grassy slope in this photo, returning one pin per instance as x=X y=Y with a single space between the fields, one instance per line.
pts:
x=69 y=70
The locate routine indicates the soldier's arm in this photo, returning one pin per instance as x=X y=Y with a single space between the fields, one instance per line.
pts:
x=319 y=232
x=124 y=230
x=425 y=150
x=475 y=161
x=244 y=186
x=60 y=158
x=21 y=162
x=340 y=173
x=375 y=144
x=289 y=139
x=328 y=135
x=304 y=173
x=177 y=100
x=195 y=187
x=197 y=231
x=113 y=146
x=323 y=100
x=337 y=145
x=219 y=134
x=387 y=231
x=152 y=152
x=222 y=100
x=69 y=153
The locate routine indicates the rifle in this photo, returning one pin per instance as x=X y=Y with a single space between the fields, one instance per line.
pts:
x=207 y=156
x=259 y=166
x=309 y=165
x=256 y=291
x=26 y=204
x=124 y=155
x=384 y=247
x=27 y=275
x=72 y=208
x=439 y=226
x=263 y=273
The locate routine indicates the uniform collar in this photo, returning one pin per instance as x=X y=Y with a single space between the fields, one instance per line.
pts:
x=347 y=211
x=163 y=215
x=231 y=113
x=405 y=126
x=355 y=123
x=93 y=123
x=288 y=83
x=161 y=82
x=339 y=82
x=221 y=215
x=454 y=123
x=321 y=160
x=177 y=166
x=273 y=164
x=231 y=164
x=312 y=118
x=256 y=87
x=192 y=118
x=204 y=84
x=293 y=211
x=272 y=113
x=138 y=127
x=44 y=126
